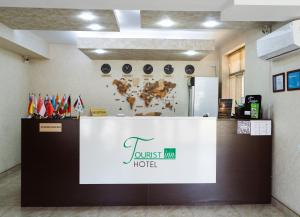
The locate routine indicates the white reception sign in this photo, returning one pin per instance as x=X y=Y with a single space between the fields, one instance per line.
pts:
x=147 y=150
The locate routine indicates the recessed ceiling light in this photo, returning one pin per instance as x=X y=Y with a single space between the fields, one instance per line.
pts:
x=211 y=23
x=87 y=16
x=191 y=53
x=100 y=51
x=95 y=27
x=166 y=23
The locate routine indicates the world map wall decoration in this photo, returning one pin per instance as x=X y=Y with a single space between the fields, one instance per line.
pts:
x=157 y=95
x=158 y=89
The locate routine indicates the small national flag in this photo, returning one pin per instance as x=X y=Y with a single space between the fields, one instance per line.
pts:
x=35 y=104
x=69 y=105
x=39 y=104
x=75 y=103
x=78 y=105
x=31 y=105
x=49 y=108
x=57 y=102
x=66 y=105
x=42 y=110
x=61 y=105
x=53 y=101
x=81 y=102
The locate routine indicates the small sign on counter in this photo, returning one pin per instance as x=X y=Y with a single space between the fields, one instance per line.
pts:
x=261 y=128
x=98 y=112
x=50 y=128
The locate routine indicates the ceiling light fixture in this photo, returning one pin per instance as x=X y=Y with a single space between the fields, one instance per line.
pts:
x=100 y=51
x=88 y=16
x=95 y=27
x=191 y=53
x=211 y=23
x=166 y=23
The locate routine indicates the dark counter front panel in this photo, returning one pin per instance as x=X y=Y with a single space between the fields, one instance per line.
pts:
x=243 y=173
x=50 y=172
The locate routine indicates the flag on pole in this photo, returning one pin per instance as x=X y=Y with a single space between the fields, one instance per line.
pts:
x=39 y=104
x=78 y=105
x=69 y=105
x=41 y=107
x=81 y=102
x=35 y=104
x=49 y=108
x=61 y=105
x=57 y=102
x=66 y=105
x=31 y=105
x=53 y=101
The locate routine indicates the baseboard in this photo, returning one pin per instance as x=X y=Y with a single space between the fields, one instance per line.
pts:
x=283 y=208
x=10 y=171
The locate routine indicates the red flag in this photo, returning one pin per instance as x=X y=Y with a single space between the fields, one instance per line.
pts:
x=61 y=109
x=39 y=104
x=49 y=108
x=69 y=105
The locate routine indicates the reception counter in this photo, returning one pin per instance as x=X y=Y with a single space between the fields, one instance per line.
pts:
x=142 y=161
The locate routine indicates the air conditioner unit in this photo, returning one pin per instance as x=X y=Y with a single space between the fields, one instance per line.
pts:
x=280 y=42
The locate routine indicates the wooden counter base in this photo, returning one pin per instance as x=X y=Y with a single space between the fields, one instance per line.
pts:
x=50 y=172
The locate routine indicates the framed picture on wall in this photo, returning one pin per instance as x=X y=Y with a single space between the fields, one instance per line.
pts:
x=293 y=80
x=279 y=82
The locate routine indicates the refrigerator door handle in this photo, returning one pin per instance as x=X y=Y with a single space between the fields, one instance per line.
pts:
x=191 y=100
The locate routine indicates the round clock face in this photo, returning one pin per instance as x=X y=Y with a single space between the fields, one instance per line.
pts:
x=105 y=68
x=189 y=69
x=148 y=69
x=168 y=69
x=127 y=68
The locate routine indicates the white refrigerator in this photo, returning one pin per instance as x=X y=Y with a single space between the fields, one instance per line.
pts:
x=203 y=96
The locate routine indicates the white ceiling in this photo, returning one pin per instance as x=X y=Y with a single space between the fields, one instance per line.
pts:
x=175 y=5
x=128 y=16
x=267 y=2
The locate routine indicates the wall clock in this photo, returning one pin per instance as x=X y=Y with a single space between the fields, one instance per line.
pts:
x=127 y=68
x=105 y=68
x=189 y=69
x=148 y=69
x=168 y=69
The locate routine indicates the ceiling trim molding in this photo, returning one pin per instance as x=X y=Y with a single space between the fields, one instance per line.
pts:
x=23 y=43
x=134 y=43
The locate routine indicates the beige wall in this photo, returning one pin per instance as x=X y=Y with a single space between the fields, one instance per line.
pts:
x=14 y=85
x=286 y=150
x=70 y=71
x=283 y=108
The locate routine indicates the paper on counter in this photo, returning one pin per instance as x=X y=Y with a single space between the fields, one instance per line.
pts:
x=261 y=128
x=243 y=127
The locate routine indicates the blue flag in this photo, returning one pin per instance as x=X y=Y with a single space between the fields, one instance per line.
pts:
x=53 y=102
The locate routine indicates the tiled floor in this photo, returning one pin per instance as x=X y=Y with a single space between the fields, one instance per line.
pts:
x=10 y=207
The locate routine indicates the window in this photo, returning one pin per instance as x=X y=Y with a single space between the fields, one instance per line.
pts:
x=236 y=64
